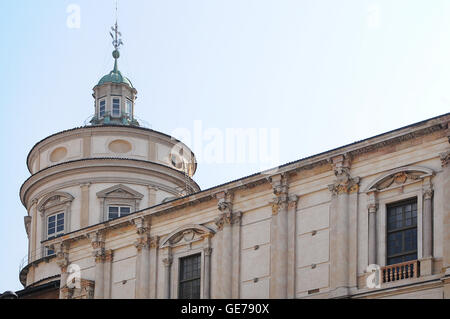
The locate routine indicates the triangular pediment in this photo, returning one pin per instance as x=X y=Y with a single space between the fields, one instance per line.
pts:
x=120 y=191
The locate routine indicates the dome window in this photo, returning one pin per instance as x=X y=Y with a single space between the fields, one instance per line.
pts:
x=116 y=107
x=129 y=108
x=102 y=108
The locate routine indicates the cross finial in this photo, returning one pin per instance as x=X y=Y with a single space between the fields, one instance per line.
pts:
x=116 y=36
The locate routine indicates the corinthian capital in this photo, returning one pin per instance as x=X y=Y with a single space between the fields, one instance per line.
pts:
x=445 y=158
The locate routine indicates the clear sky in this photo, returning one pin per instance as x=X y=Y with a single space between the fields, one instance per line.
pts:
x=321 y=73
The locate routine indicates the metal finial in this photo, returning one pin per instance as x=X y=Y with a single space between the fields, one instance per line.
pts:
x=116 y=36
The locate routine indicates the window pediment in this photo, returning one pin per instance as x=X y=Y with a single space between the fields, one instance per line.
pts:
x=120 y=192
x=186 y=235
x=398 y=177
x=53 y=200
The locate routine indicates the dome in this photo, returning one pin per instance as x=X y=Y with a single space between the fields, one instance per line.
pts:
x=115 y=76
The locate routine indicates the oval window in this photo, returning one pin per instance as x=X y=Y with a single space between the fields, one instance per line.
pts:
x=58 y=154
x=119 y=146
x=176 y=161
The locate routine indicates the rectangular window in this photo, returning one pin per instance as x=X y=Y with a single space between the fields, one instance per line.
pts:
x=129 y=107
x=102 y=108
x=55 y=228
x=116 y=107
x=118 y=211
x=402 y=232
x=189 y=279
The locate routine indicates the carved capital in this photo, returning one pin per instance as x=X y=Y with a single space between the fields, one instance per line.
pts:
x=99 y=255
x=207 y=251
x=142 y=225
x=372 y=208
x=445 y=158
x=168 y=261
x=428 y=194
x=227 y=219
x=142 y=242
x=293 y=201
x=225 y=206
x=154 y=241
x=279 y=203
x=62 y=255
x=97 y=239
x=109 y=255
x=346 y=185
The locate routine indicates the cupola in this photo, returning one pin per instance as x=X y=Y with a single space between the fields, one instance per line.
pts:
x=114 y=94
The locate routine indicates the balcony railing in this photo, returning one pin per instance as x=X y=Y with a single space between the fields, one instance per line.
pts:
x=406 y=270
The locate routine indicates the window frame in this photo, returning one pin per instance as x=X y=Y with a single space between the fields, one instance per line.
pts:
x=120 y=207
x=129 y=103
x=180 y=273
x=100 y=107
x=402 y=203
x=112 y=106
x=50 y=252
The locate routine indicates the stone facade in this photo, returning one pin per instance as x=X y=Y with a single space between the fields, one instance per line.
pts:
x=307 y=229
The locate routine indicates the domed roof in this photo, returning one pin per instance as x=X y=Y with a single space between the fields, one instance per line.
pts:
x=115 y=76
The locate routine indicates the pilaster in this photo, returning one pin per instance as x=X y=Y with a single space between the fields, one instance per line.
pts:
x=445 y=162
x=142 y=245
x=98 y=246
x=343 y=236
x=279 y=238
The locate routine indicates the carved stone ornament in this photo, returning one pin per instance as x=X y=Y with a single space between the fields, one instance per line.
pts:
x=227 y=219
x=27 y=223
x=186 y=235
x=345 y=186
x=428 y=193
x=445 y=158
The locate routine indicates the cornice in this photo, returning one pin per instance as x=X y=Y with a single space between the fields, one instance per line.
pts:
x=98 y=129
x=368 y=145
x=107 y=162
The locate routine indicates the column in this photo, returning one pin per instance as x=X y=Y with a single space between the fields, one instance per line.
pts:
x=98 y=245
x=108 y=273
x=427 y=222
x=154 y=242
x=142 y=245
x=340 y=257
x=167 y=269
x=279 y=239
x=84 y=212
x=236 y=252
x=372 y=209
x=292 y=238
x=445 y=185
x=224 y=223
x=207 y=250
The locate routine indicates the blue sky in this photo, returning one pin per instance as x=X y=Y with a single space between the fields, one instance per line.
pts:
x=325 y=73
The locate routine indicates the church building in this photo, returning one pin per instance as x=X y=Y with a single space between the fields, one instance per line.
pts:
x=113 y=211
